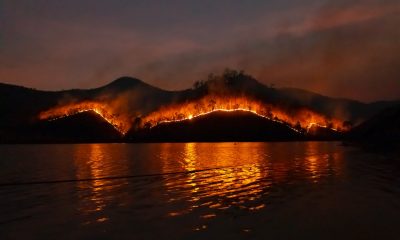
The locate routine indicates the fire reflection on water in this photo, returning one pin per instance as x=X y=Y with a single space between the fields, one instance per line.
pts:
x=94 y=162
x=205 y=180
x=228 y=184
x=244 y=175
x=189 y=165
x=318 y=165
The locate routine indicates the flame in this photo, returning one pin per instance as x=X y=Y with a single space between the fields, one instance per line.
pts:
x=297 y=120
x=119 y=122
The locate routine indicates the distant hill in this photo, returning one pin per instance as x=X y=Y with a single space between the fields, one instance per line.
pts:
x=352 y=110
x=382 y=127
x=20 y=107
x=83 y=127
x=228 y=126
x=218 y=126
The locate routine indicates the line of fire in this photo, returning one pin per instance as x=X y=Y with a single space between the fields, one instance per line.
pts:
x=299 y=120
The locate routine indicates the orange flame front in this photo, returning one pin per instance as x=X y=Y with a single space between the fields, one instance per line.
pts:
x=297 y=119
x=118 y=121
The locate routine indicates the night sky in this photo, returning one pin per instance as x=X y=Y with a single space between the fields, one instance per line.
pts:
x=341 y=48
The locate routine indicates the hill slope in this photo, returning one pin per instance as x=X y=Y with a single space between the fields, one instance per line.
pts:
x=383 y=127
x=83 y=127
x=20 y=107
x=218 y=126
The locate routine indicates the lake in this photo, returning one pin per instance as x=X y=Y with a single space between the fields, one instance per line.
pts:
x=314 y=190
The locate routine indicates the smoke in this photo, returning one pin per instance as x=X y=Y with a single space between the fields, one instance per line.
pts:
x=337 y=48
x=341 y=49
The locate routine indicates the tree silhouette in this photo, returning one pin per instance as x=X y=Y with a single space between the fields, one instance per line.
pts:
x=199 y=84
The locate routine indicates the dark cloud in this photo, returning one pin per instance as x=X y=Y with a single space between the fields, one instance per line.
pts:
x=339 y=48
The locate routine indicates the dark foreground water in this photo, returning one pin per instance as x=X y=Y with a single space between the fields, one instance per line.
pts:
x=307 y=190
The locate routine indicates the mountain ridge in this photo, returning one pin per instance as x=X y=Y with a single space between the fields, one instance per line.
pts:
x=127 y=81
x=21 y=106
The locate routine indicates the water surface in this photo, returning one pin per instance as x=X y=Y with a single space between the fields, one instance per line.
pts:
x=198 y=190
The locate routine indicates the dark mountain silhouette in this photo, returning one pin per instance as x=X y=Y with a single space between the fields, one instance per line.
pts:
x=354 y=111
x=381 y=128
x=321 y=133
x=20 y=106
x=82 y=127
x=218 y=126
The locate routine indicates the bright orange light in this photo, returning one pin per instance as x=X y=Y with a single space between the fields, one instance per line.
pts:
x=118 y=121
x=296 y=119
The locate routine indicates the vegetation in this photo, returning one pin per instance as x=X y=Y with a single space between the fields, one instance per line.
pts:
x=228 y=78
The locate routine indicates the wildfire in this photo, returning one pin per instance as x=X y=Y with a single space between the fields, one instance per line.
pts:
x=119 y=122
x=302 y=119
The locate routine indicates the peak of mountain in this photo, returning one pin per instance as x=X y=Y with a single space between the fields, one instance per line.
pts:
x=125 y=82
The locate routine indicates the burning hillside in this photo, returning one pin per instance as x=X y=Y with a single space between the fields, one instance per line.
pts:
x=130 y=105
x=236 y=125
x=297 y=119
x=118 y=121
x=230 y=92
x=300 y=120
